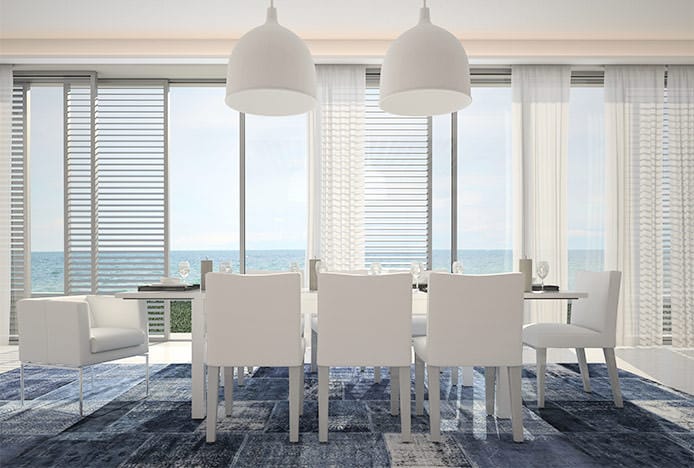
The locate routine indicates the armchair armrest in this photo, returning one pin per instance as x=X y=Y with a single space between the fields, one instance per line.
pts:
x=54 y=331
x=109 y=311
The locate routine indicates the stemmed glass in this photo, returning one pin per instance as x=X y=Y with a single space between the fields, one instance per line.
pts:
x=457 y=267
x=416 y=270
x=183 y=270
x=376 y=268
x=542 y=272
x=225 y=267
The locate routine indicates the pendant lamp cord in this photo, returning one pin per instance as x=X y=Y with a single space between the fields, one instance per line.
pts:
x=272 y=3
x=425 y=3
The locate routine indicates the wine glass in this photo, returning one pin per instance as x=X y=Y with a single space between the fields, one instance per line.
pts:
x=183 y=270
x=225 y=267
x=542 y=272
x=376 y=268
x=416 y=270
x=457 y=267
x=294 y=267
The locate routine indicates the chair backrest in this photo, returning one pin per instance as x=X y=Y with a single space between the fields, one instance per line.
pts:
x=475 y=320
x=253 y=319
x=364 y=320
x=599 y=310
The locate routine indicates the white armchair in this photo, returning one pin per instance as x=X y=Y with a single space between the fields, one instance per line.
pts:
x=472 y=320
x=593 y=325
x=78 y=331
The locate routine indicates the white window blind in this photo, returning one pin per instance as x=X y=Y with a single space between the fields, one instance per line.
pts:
x=397 y=185
x=20 y=251
x=115 y=185
x=78 y=242
x=130 y=174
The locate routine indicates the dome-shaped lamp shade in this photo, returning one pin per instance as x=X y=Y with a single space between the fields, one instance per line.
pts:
x=425 y=72
x=271 y=72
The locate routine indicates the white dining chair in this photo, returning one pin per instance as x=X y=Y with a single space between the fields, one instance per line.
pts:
x=365 y=321
x=472 y=320
x=593 y=325
x=253 y=320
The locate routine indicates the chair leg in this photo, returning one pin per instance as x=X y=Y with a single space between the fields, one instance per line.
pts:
x=583 y=365
x=377 y=374
x=147 y=374
x=294 y=400
x=394 y=391
x=418 y=386
x=405 y=422
x=455 y=374
x=614 y=377
x=241 y=376
x=21 y=383
x=468 y=376
x=302 y=389
x=541 y=358
x=489 y=383
x=514 y=377
x=228 y=390
x=314 y=350
x=212 y=400
x=323 y=384
x=435 y=403
x=81 y=387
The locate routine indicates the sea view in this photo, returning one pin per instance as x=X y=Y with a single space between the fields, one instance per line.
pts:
x=47 y=267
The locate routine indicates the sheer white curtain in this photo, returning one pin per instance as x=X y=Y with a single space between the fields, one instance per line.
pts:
x=5 y=157
x=540 y=135
x=634 y=98
x=336 y=168
x=680 y=89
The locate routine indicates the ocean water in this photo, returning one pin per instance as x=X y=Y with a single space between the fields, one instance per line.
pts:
x=47 y=267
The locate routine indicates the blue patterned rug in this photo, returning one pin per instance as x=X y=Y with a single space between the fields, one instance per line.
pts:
x=123 y=428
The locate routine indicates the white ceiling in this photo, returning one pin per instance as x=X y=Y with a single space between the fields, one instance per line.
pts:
x=348 y=19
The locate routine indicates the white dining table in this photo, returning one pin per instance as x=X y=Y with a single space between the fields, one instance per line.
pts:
x=309 y=304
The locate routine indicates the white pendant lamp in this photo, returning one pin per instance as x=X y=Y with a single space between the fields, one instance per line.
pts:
x=271 y=71
x=425 y=72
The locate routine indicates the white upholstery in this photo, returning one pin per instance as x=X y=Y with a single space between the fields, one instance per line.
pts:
x=475 y=320
x=58 y=331
x=77 y=331
x=471 y=320
x=593 y=325
x=560 y=335
x=253 y=320
x=365 y=321
x=108 y=339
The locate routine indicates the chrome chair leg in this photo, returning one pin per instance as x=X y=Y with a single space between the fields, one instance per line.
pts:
x=21 y=383
x=147 y=374
x=81 y=385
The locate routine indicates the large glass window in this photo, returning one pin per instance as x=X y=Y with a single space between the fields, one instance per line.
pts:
x=485 y=229
x=46 y=188
x=203 y=179
x=276 y=192
x=586 y=180
x=441 y=190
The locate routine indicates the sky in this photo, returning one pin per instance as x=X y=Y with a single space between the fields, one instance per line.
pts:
x=204 y=182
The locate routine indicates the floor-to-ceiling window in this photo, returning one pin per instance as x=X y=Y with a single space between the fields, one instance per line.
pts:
x=484 y=222
x=276 y=192
x=45 y=169
x=203 y=178
x=586 y=180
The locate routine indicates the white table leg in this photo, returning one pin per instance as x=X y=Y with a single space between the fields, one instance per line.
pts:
x=468 y=373
x=198 y=358
x=502 y=397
